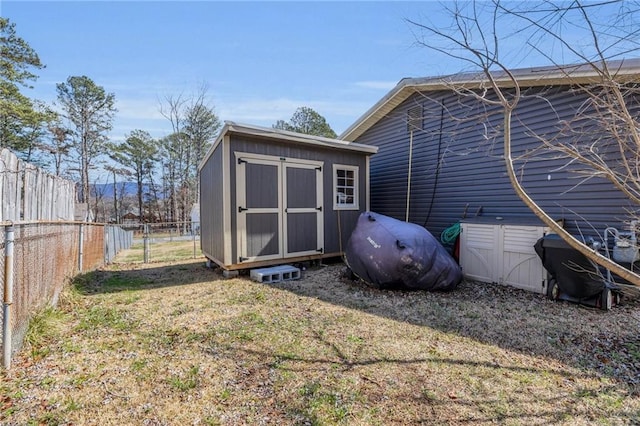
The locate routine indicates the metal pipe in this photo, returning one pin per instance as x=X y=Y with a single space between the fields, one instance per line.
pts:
x=193 y=232
x=8 y=297
x=406 y=219
x=80 y=247
x=146 y=243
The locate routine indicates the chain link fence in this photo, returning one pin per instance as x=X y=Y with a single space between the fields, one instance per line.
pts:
x=163 y=242
x=38 y=258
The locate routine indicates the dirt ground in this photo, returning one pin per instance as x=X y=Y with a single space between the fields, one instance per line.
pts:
x=176 y=344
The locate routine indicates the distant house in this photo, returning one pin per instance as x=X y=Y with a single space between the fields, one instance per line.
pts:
x=83 y=213
x=195 y=218
x=130 y=219
x=457 y=163
x=270 y=196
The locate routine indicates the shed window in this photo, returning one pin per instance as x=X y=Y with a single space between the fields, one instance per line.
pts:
x=345 y=187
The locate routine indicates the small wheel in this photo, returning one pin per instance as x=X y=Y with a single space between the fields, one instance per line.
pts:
x=606 y=299
x=553 y=292
x=616 y=298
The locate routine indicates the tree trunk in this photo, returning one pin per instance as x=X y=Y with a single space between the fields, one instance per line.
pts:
x=591 y=254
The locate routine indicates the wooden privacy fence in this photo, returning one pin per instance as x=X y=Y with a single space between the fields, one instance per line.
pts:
x=30 y=193
x=41 y=247
x=38 y=259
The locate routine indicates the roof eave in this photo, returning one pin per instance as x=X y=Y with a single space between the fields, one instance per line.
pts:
x=531 y=77
x=278 y=134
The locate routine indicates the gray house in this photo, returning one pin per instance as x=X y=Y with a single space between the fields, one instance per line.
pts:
x=440 y=160
x=269 y=196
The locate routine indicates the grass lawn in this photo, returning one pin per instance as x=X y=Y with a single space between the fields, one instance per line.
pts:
x=174 y=343
x=162 y=252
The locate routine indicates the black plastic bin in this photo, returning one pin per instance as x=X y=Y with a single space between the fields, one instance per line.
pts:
x=572 y=276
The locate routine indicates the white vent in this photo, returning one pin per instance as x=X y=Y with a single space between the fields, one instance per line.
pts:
x=414 y=118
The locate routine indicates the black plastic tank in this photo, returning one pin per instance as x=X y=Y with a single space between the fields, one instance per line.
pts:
x=575 y=275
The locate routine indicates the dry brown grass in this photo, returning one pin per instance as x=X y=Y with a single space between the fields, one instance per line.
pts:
x=174 y=343
x=162 y=252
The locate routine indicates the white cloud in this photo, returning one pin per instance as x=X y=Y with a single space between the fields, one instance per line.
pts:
x=253 y=110
x=141 y=111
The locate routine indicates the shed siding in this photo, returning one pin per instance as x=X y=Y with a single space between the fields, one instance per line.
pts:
x=211 y=207
x=336 y=224
x=458 y=162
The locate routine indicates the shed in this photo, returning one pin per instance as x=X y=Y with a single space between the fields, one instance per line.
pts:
x=441 y=159
x=269 y=196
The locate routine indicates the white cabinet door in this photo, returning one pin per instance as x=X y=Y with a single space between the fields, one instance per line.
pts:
x=504 y=254
x=521 y=266
x=478 y=251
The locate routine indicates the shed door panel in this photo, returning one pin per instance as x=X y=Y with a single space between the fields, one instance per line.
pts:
x=303 y=209
x=279 y=208
x=259 y=210
x=262 y=186
x=262 y=235
x=301 y=187
x=300 y=235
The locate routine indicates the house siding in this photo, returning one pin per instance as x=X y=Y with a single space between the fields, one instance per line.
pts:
x=458 y=164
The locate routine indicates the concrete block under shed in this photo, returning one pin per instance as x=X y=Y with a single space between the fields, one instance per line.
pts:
x=275 y=274
x=230 y=274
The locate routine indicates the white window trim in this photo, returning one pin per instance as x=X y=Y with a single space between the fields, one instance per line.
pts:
x=356 y=184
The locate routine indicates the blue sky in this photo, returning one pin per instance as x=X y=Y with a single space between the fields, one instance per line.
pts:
x=259 y=60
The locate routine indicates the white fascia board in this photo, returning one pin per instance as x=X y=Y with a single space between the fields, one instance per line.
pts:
x=299 y=138
x=624 y=70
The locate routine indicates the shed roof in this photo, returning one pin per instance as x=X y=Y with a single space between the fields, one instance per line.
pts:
x=555 y=75
x=231 y=127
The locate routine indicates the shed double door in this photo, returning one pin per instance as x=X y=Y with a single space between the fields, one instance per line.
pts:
x=279 y=208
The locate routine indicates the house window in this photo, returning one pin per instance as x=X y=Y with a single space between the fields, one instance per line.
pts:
x=345 y=187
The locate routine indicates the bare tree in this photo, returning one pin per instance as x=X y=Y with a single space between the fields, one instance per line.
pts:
x=201 y=126
x=611 y=104
x=118 y=171
x=194 y=123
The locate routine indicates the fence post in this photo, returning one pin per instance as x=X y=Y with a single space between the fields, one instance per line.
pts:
x=146 y=242
x=105 y=249
x=8 y=296
x=80 y=247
